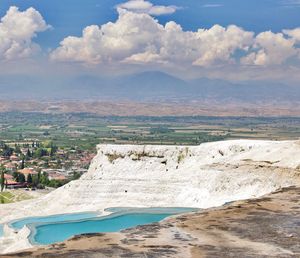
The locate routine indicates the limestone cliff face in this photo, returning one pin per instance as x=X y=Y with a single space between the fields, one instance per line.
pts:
x=168 y=176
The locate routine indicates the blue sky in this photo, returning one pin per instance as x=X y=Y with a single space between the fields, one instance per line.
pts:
x=69 y=17
x=262 y=43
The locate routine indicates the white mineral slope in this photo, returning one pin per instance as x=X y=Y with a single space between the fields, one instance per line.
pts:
x=203 y=176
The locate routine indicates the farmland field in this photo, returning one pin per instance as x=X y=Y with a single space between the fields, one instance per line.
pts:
x=84 y=131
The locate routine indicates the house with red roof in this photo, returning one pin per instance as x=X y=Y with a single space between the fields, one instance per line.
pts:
x=27 y=171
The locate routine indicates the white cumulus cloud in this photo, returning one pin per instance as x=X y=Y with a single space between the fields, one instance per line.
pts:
x=17 y=29
x=219 y=44
x=139 y=38
x=271 y=49
x=294 y=34
x=142 y=6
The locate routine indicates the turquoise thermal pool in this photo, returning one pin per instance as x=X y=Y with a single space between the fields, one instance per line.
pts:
x=19 y=224
x=53 y=229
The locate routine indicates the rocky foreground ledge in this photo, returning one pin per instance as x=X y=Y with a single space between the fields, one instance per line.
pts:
x=264 y=227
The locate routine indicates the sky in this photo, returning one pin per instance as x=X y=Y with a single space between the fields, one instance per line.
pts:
x=226 y=39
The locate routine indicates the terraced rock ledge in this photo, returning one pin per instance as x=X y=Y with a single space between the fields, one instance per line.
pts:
x=265 y=227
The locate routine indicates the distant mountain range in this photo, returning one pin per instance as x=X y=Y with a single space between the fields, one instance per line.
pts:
x=146 y=86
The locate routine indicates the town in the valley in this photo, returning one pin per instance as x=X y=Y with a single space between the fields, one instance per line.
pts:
x=35 y=165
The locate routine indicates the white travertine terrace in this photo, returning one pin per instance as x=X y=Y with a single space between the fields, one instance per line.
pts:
x=203 y=176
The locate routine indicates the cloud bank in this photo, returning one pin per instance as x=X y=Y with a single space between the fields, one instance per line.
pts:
x=141 y=6
x=138 y=38
x=137 y=41
x=17 y=29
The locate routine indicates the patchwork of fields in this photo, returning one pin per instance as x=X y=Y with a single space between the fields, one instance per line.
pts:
x=84 y=131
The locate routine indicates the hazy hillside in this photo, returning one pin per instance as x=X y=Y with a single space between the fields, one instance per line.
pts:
x=147 y=86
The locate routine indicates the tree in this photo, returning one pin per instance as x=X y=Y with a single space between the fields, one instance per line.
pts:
x=3 y=181
x=55 y=183
x=35 y=180
x=28 y=154
x=44 y=180
x=21 y=178
x=17 y=149
x=40 y=152
x=53 y=151
x=15 y=175
x=76 y=175
x=2 y=178
x=29 y=179
x=7 y=151
x=46 y=133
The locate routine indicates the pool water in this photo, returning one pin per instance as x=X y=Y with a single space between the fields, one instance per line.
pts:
x=49 y=233
x=19 y=224
x=52 y=233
